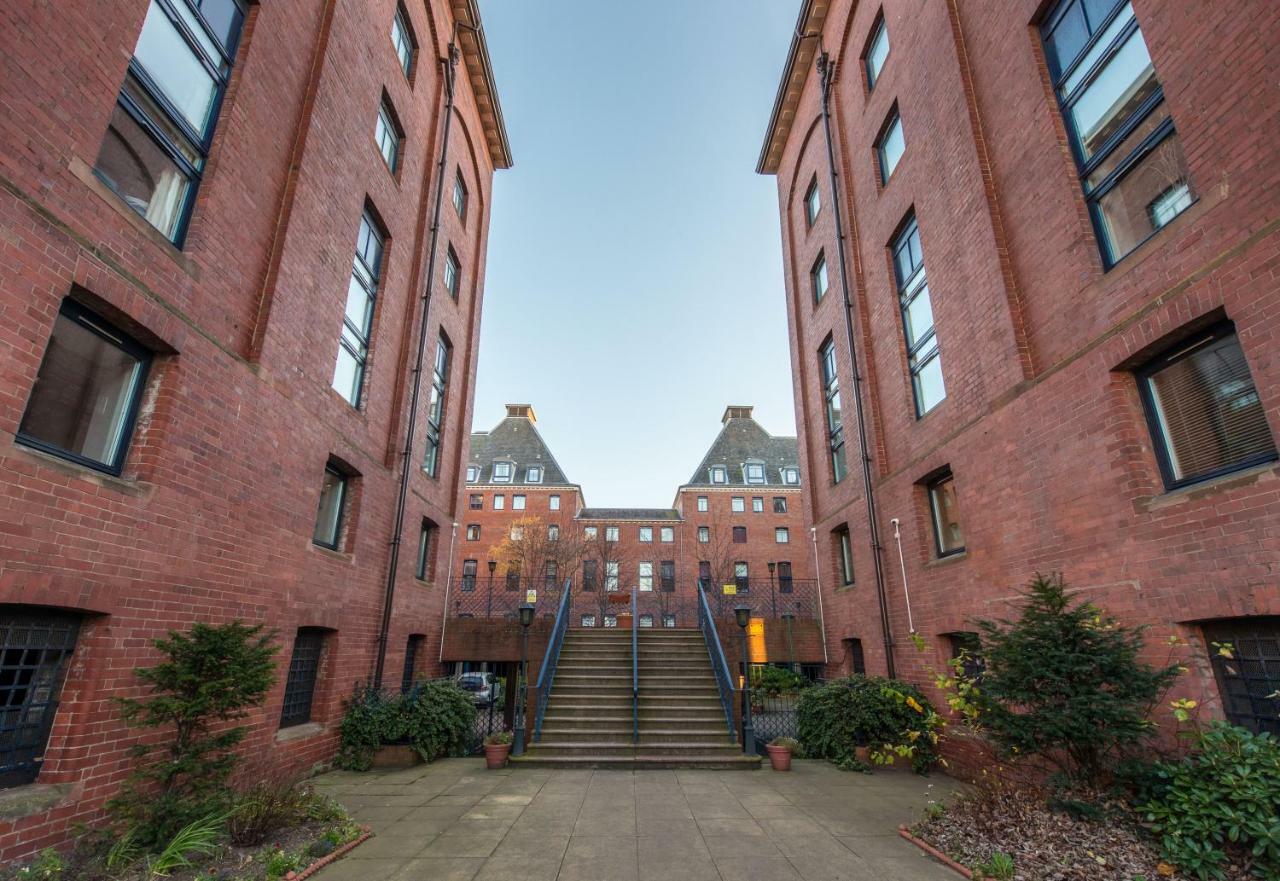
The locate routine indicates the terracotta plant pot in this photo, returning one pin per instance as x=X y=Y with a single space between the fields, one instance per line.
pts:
x=862 y=754
x=495 y=755
x=779 y=757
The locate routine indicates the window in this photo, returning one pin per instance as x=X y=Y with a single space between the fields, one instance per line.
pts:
x=473 y=532
x=835 y=418
x=1203 y=409
x=513 y=576
x=702 y=503
x=517 y=533
x=476 y=502
x=668 y=620
x=667 y=534
x=35 y=651
x=719 y=474
x=812 y=202
x=502 y=472
x=611 y=533
x=646 y=620
x=945 y=509
x=610 y=620
x=517 y=503
x=460 y=196
x=818 y=278
x=452 y=272
x=740 y=577
x=704 y=575
x=645 y=575
x=779 y=504
x=411 y=660
x=754 y=472
x=610 y=575
x=667 y=572
x=473 y=473
x=890 y=145
x=791 y=476
x=333 y=498
x=554 y=502
x=1250 y=679
x=86 y=395
x=738 y=504
x=402 y=39
x=435 y=405
x=468 y=574
x=388 y=134
x=533 y=474
x=966 y=648
x=300 y=686
x=877 y=51
x=499 y=501
x=781 y=535
x=588 y=620
x=553 y=532
x=917 y=320
x=844 y=555
x=160 y=131
x=426 y=540
x=357 y=320
x=550 y=572
x=857 y=661
x=739 y=535
x=646 y=534
x=589 y=532
x=589 y=575
x=1132 y=168
x=757 y=504
x=785 y=582
x=704 y=534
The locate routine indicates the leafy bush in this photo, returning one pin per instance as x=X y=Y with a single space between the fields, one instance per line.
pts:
x=498 y=738
x=1224 y=796
x=1064 y=682
x=211 y=676
x=266 y=807
x=774 y=681
x=888 y=716
x=436 y=717
x=788 y=742
x=47 y=867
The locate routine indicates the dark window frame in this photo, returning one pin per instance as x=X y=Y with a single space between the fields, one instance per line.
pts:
x=931 y=486
x=452 y=273
x=812 y=203
x=1231 y=676
x=461 y=196
x=878 y=28
x=831 y=392
x=857 y=657
x=819 y=271
x=344 y=492
x=911 y=285
x=368 y=277
x=844 y=555
x=303 y=677
x=37 y=658
x=739 y=535
x=426 y=534
x=407 y=66
x=391 y=123
x=883 y=172
x=440 y=370
x=411 y=648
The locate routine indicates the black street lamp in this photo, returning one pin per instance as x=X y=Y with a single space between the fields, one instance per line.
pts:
x=773 y=596
x=488 y=609
x=526 y=619
x=789 y=618
x=743 y=616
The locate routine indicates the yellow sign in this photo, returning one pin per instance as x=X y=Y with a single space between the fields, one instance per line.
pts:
x=530 y=596
x=755 y=642
x=730 y=590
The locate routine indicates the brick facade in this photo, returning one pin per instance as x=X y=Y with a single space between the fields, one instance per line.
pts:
x=1042 y=424
x=211 y=518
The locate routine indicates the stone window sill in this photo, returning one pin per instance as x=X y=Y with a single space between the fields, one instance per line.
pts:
x=938 y=562
x=299 y=732
x=32 y=799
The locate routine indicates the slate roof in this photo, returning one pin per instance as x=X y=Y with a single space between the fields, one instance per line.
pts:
x=628 y=514
x=515 y=438
x=743 y=440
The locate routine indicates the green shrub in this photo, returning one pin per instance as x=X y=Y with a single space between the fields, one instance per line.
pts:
x=436 y=717
x=266 y=807
x=774 y=681
x=888 y=716
x=1064 y=682
x=47 y=867
x=498 y=738
x=1224 y=796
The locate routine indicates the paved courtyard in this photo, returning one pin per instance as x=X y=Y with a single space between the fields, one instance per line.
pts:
x=455 y=821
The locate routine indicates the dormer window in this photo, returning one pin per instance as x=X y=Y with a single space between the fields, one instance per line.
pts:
x=502 y=472
x=791 y=476
x=754 y=472
x=534 y=474
x=473 y=473
x=719 y=474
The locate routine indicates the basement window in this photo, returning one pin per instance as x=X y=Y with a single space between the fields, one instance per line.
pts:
x=588 y=620
x=35 y=650
x=668 y=620
x=304 y=669
x=1250 y=678
x=646 y=620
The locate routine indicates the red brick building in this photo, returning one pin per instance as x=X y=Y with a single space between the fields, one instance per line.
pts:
x=1036 y=244
x=218 y=229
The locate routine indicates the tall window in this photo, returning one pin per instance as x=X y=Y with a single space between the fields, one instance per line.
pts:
x=704 y=574
x=387 y=132
x=411 y=650
x=518 y=502
x=812 y=202
x=667 y=572
x=588 y=574
x=835 y=418
x=610 y=575
x=553 y=532
x=944 y=507
x=645 y=575
x=1203 y=409
x=757 y=504
x=818 y=278
x=741 y=577
x=890 y=145
x=35 y=650
x=304 y=669
x=162 y=127
x=460 y=196
x=426 y=542
x=1132 y=168
x=452 y=273
x=667 y=534
x=86 y=395
x=554 y=502
x=857 y=661
x=739 y=535
x=499 y=502
x=1250 y=678
x=469 y=569
x=402 y=39
x=357 y=321
x=738 y=504
x=333 y=499
x=435 y=406
x=702 y=503
x=779 y=504
x=877 y=51
x=917 y=320
x=844 y=555
x=550 y=573
x=704 y=534
x=785 y=581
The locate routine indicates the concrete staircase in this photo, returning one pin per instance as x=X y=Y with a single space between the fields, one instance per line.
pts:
x=588 y=722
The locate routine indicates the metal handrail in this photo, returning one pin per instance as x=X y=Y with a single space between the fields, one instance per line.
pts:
x=719 y=666
x=551 y=658
x=635 y=670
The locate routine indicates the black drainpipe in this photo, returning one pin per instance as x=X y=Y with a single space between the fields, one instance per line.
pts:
x=394 y=564
x=826 y=71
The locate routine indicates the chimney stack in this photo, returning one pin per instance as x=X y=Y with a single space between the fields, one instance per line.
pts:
x=524 y=411
x=736 y=411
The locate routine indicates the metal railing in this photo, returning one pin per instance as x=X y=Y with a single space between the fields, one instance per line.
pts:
x=551 y=658
x=724 y=680
x=767 y=598
x=635 y=670
x=473 y=596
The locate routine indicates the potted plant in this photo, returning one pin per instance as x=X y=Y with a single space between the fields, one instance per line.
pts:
x=779 y=750
x=496 y=748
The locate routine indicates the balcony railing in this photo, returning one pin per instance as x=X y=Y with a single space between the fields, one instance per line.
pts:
x=472 y=596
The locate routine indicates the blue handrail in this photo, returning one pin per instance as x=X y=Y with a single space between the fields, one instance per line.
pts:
x=635 y=670
x=547 y=675
x=724 y=680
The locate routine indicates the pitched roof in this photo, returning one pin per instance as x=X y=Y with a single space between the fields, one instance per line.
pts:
x=515 y=439
x=628 y=514
x=743 y=440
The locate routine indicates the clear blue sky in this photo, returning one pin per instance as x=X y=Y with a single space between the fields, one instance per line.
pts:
x=634 y=283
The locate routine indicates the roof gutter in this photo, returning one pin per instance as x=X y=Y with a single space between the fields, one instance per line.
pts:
x=475 y=52
x=813 y=13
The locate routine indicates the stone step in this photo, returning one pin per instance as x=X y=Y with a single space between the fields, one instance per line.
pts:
x=624 y=747
x=639 y=761
x=621 y=731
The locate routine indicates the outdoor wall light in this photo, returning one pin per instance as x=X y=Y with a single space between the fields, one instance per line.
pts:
x=526 y=614
x=742 y=614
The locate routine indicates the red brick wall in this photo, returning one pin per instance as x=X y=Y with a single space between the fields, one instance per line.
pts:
x=1042 y=425
x=212 y=518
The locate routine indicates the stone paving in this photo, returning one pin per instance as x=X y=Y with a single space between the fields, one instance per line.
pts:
x=455 y=821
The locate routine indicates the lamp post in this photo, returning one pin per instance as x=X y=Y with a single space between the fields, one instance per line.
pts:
x=526 y=619
x=789 y=618
x=488 y=608
x=743 y=616
x=773 y=596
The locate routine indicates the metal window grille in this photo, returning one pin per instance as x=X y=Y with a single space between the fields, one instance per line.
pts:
x=35 y=651
x=300 y=687
x=410 y=661
x=1250 y=679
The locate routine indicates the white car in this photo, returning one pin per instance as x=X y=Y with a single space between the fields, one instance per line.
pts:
x=484 y=687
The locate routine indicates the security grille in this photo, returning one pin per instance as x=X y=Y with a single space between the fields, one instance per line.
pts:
x=300 y=687
x=35 y=650
x=1250 y=678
